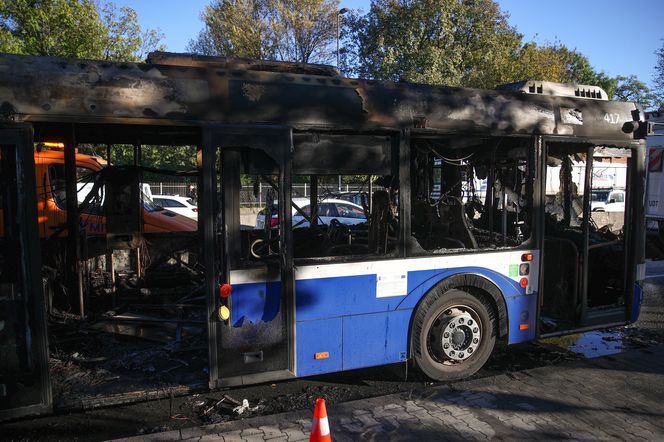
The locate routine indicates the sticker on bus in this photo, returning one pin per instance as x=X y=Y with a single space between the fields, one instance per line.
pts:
x=391 y=284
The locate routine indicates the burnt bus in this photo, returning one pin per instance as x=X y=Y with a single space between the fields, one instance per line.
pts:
x=477 y=224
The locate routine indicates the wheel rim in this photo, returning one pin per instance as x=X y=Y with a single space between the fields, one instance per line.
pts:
x=455 y=335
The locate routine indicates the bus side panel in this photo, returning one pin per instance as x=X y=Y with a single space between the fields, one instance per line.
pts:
x=376 y=339
x=422 y=281
x=340 y=296
x=343 y=317
x=522 y=318
x=318 y=346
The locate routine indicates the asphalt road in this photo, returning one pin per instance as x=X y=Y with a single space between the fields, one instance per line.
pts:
x=180 y=412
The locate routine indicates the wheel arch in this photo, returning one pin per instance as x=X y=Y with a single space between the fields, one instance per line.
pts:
x=473 y=284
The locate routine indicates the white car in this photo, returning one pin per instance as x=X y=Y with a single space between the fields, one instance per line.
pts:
x=607 y=200
x=343 y=211
x=178 y=204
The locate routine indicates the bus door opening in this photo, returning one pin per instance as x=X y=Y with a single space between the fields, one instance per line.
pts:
x=24 y=381
x=585 y=252
x=254 y=308
x=124 y=293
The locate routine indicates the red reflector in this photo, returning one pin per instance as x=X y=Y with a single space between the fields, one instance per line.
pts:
x=523 y=326
x=274 y=222
x=523 y=283
x=527 y=257
x=322 y=355
x=225 y=290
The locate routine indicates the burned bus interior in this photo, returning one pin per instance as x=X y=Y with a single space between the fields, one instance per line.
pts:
x=470 y=194
x=123 y=281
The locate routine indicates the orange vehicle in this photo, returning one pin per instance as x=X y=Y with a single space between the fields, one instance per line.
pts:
x=51 y=202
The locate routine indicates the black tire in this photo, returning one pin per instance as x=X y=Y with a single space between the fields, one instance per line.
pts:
x=461 y=357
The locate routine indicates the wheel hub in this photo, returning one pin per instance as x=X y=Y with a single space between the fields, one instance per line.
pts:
x=461 y=336
x=458 y=338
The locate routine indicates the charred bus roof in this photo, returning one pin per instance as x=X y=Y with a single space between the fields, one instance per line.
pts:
x=187 y=89
x=241 y=64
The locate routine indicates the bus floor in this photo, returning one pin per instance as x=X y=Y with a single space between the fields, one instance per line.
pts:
x=141 y=336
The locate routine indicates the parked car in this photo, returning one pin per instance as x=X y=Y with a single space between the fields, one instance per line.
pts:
x=352 y=196
x=343 y=211
x=607 y=200
x=178 y=204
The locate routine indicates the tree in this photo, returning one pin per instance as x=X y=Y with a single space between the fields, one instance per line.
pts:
x=237 y=28
x=536 y=62
x=451 y=42
x=631 y=89
x=659 y=77
x=66 y=28
x=124 y=39
x=74 y=29
x=288 y=30
x=305 y=30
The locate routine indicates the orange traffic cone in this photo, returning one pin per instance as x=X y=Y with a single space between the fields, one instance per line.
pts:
x=320 y=427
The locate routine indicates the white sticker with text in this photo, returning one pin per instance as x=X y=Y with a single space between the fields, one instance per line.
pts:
x=391 y=284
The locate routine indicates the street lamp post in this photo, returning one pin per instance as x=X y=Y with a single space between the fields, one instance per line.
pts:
x=339 y=14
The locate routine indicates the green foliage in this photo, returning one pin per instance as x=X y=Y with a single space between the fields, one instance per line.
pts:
x=547 y=63
x=8 y=43
x=173 y=158
x=67 y=28
x=631 y=89
x=74 y=29
x=238 y=28
x=305 y=30
x=659 y=77
x=124 y=39
x=458 y=43
x=288 y=30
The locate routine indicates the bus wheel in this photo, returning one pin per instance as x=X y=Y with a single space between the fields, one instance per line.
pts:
x=453 y=335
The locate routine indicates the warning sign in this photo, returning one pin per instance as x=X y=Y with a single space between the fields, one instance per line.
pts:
x=655 y=160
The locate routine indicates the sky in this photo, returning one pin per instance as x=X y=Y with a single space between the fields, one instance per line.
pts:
x=618 y=37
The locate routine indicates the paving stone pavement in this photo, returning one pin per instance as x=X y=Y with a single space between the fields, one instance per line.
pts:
x=617 y=397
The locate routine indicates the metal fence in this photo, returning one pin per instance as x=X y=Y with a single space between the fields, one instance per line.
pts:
x=251 y=197
x=160 y=188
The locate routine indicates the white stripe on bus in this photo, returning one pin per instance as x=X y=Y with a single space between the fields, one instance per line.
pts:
x=496 y=261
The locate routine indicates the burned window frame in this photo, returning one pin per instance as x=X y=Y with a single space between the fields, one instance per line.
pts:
x=392 y=180
x=529 y=183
